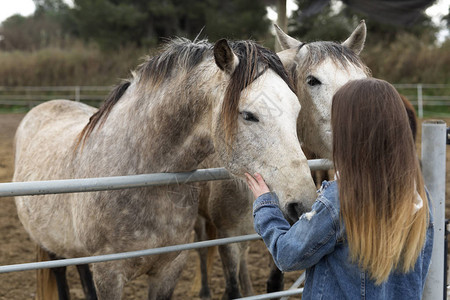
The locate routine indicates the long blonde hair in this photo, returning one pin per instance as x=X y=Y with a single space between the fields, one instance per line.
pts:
x=379 y=178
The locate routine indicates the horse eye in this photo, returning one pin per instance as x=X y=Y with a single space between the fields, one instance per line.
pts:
x=248 y=116
x=312 y=81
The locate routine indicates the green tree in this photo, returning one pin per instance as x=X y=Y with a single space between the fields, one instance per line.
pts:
x=329 y=24
x=109 y=24
x=46 y=27
x=114 y=23
x=337 y=20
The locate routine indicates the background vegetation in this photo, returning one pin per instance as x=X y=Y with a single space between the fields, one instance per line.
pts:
x=96 y=42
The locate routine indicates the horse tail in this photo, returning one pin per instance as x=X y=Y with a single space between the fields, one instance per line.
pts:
x=45 y=279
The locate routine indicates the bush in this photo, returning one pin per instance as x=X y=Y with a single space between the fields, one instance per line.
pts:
x=77 y=65
x=409 y=60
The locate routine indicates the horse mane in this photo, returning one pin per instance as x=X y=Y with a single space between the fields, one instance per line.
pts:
x=177 y=53
x=104 y=110
x=181 y=53
x=319 y=51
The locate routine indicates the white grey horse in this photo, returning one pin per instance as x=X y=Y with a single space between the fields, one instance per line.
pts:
x=192 y=100
x=318 y=69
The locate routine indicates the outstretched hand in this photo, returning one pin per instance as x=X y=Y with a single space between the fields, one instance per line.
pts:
x=257 y=184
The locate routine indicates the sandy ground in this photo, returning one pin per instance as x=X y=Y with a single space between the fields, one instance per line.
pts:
x=16 y=247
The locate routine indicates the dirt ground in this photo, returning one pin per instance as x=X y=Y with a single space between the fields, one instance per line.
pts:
x=16 y=246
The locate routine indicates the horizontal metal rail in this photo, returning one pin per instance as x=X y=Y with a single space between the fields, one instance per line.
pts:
x=155 y=251
x=424 y=85
x=33 y=95
x=275 y=295
x=125 y=255
x=296 y=284
x=10 y=189
x=102 y=88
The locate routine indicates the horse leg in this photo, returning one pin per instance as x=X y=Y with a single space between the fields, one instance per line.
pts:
x=61 y=279
x=230 y=209
x=161 y=286
x=87 y=282
x=244 y=276
x=204 y=253
x=275 y=282
x=229 y=255
x=108 y=279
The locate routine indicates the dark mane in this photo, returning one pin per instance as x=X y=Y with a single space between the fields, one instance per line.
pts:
x=104 y=110
x=177 y=53
x=254 y=59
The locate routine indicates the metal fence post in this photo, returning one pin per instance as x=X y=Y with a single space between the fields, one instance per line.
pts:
x=77 y=93
x=420 y=100
x=433 y=167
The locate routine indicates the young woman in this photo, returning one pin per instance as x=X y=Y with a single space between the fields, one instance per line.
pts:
x=369 y=234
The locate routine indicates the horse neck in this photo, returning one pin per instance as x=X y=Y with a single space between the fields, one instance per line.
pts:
x=163 y=130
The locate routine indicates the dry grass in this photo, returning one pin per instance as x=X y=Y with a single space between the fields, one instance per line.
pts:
x=409 y=60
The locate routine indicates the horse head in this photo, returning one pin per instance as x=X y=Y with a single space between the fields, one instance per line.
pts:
x=254 y=128
x=319 y=70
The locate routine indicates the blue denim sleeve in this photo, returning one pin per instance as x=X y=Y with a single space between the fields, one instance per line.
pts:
x=301 y=246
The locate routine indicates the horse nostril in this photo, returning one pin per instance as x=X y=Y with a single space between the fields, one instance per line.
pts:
x=295 y=210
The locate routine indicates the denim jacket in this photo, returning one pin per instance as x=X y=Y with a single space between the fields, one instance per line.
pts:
x=316 y=242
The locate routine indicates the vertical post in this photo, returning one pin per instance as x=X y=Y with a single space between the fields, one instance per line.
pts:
x=433 y=167
x=77 y=93
x=420 y=100
x=281 y=19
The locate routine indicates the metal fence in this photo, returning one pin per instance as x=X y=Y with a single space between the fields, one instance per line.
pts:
x=421 y=95
x=30 y=96
x=133 y=181
x=433 y=163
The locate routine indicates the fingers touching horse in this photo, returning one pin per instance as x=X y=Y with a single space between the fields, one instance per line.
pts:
x=192 y=100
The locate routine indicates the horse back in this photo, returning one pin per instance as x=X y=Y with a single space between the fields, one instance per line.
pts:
x=46 y=135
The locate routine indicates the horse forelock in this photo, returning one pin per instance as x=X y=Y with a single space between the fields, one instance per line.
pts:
x=317 y=52
x=254 y=60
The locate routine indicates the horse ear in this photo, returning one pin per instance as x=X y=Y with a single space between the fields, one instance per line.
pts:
x=225 y=58
x=287 y=57
x=285 y=40
x=357 y=39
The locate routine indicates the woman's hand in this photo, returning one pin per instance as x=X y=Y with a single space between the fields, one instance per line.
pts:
x=257 y=184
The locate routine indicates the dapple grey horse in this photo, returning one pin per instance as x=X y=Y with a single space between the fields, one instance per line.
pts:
x=181 y=106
